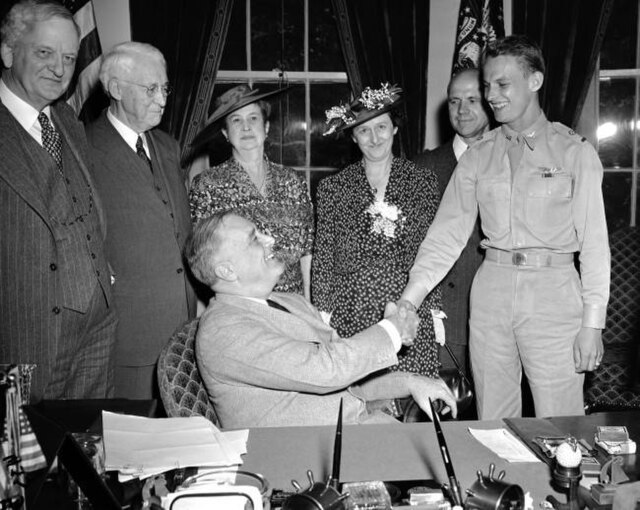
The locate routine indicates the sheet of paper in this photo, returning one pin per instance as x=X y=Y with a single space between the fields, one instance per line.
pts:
x=504 y=444
x=141 y=446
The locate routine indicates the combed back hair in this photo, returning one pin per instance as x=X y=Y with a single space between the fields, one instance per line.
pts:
x=526 y=51
x=203 y=245
x=460 y=72
x=27 y=12
x=123 y=58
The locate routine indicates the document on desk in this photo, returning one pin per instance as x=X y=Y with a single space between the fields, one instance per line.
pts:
x=140 y=447
x=504 y=444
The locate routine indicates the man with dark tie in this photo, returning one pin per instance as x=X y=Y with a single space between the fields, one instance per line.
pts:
x=55 y=306
x=268 y=359
x=469 y=119
x=137 y=171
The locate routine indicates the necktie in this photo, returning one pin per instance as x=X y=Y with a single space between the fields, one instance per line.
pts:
x=141 y=152
x=515 y=151
x=277 y=306
x=51 y=139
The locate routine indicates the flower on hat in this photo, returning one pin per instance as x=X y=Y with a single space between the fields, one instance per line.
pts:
x=341 y=116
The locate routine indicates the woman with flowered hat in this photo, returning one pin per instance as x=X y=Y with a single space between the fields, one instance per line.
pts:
x=372 y=217
x=272 y=196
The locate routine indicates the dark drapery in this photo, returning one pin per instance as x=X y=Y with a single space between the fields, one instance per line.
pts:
x=570 y=33
x=191 y=35
x=387 y=40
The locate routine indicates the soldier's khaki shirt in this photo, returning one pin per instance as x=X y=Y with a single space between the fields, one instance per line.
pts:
x=551 y=202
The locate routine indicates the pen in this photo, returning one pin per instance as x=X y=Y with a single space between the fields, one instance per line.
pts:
x=453 y=481
x=337 y=451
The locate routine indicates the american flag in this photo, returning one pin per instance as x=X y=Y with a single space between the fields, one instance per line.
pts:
x=31 y=455
x=85 y=80
x=479 y=23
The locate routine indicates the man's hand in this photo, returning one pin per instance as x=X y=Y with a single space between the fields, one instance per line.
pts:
x=404 y=317
x=424 y=388
x=588 y=349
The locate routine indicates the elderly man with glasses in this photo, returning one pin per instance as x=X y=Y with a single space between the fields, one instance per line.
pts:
x=137 y=171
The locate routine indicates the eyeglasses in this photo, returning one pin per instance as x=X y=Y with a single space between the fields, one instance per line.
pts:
x=152 y=90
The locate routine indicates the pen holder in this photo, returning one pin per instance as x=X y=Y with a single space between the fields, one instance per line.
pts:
x=318 y=496
x=489 y=493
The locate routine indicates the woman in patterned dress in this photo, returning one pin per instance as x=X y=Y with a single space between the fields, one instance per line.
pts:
x=372 y=217
x=272 y=196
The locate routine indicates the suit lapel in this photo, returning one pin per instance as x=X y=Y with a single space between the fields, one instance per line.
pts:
x=15 y=167
x=160 y=169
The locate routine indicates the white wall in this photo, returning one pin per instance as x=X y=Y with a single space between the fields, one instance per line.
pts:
x=443 y=18
x=113 y=22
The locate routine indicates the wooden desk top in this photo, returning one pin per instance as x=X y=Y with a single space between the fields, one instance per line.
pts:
x=384 y=452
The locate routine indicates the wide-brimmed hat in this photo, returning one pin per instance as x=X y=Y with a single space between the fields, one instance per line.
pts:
x=369 y=104
x=228 y=102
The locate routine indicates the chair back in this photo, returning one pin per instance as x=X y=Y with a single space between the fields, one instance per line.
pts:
x=181 y=387
x=615 y=385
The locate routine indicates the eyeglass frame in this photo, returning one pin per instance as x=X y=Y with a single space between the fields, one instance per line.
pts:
x=152 y=90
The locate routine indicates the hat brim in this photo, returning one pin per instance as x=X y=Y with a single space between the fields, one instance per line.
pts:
x=212 y=126
x=366 y=115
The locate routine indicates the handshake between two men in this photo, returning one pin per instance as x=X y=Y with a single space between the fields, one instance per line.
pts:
x=268 y=359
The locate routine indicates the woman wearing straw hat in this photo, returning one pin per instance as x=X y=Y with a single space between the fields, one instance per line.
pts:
x=274 y=197
x=372 y=217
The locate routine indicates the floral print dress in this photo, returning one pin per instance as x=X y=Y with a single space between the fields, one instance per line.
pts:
x=365 y=249
x=284 y=211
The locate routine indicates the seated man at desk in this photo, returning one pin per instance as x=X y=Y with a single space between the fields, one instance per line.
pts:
x=268 y=359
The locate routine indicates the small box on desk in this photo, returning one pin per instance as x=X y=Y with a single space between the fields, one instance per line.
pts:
x=615 y=440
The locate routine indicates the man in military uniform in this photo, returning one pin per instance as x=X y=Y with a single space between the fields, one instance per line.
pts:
x=537 y=187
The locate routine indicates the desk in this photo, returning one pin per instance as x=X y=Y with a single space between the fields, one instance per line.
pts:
x=410 y=452
x=384 y=452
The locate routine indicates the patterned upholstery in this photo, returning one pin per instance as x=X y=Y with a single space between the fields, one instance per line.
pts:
x=616 y=384
x=181 y=388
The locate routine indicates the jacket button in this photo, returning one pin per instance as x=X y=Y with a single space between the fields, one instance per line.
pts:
x=88 y=237
x=53 y=267
x=179 y=270
x=93 y=255
x=451 y=285
x=56 y=310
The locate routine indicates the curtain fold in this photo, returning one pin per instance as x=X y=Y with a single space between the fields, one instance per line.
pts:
x=387 y=41
x=570 y=33
x=191 y=35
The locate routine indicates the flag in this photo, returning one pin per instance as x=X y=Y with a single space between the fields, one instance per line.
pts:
x=479 y=23
x=85 y=79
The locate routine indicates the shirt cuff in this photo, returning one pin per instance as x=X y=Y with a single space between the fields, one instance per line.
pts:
x=594 y=316
x=393 y=333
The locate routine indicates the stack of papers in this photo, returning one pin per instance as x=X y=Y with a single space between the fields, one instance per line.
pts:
x=504 y=444
x=139 y=447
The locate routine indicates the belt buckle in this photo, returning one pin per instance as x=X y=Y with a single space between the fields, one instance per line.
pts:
x=518 y=258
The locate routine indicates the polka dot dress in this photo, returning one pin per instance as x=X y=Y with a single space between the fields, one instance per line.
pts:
x=357 y=268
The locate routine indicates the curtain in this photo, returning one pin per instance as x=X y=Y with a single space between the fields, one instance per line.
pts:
x=570 y=33
x=387 y=41
x=191 y=35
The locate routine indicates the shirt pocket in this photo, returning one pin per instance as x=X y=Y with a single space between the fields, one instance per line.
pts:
x=548 y=204
x=493 y=197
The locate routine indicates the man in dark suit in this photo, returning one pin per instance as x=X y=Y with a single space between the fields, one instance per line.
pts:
x=469 y=119
x=137 y=172
x=268 y=359
x=54 y=278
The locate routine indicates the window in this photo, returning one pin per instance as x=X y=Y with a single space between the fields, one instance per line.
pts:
x=296 y=42
x=619 y=116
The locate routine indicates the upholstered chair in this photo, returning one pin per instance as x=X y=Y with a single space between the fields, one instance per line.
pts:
x=615 y=385
x=181 y=388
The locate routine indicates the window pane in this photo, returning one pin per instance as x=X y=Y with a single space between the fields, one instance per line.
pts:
x=234 y=54
x=277 y=35
x=616 y=129
x=286 y=141
x=331 y=150
x=324 y=45
x=619 y=44
x=616 y=188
